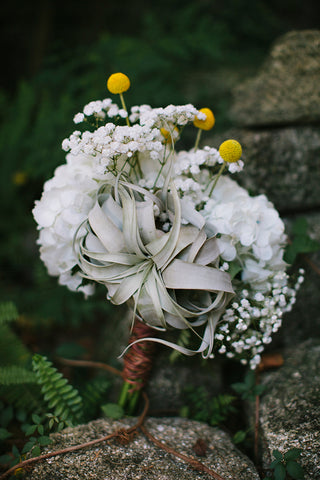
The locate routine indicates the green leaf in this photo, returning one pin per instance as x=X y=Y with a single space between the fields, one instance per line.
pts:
x=277 y=455
x=274 y=463
x=239 y=436
x=295 y=470
x=60 y=426
x=6 y=416
x=36 y=451
x=36 y=419
x=8 y=312
x=4 y=433
x=292 y=454
x=112 y=410
x=184 y=411
x=40 y=429
x=14 y=375
x=44 y=440
x=30 y=430
x=279 y=472
x=300 y=226
x=234 y=269
x=4 y=459
x=15 y=451
x=28 y=446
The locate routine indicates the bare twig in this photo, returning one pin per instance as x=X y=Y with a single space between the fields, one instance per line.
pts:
x=192 y=461
x=120 y=433
x=90 y=364
x=314 y=267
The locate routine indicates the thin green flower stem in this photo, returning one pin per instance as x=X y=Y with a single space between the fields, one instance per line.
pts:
x=133 y=400
x=123 y=103
x=124 y=394
x=162 y=165
x=196 y=145
x=217 y=177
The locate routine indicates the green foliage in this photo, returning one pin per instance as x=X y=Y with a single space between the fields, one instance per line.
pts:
x=112 y=410
x=248 y=389
x=212 y=410
x=183 y=341
x=8 y=312
x=14 y=375
x=301 y=241
x=286 y=465
x=17 y=381
x=94 y=395
x=61 y=397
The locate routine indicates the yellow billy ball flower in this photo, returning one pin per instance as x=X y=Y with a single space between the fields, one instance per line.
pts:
x=19 y=178
x=170 y=136
x=230 y=151
x=206 y=124
x=118 y=83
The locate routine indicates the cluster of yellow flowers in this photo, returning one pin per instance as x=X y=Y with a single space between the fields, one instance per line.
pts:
x=230 y=150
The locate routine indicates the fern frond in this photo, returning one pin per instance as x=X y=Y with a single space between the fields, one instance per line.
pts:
x=64 y=400
x=13 y=375
x=12 y=350
x=8 y=312
x=25 y=397
x=94 y=395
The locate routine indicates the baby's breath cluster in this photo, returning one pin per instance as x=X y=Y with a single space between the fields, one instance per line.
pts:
x=131 y=210
x=251 y=320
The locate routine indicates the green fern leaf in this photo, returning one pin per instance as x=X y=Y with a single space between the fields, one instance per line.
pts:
x=8 y=312
x=12 y=349
x=61 y=397
x=25 y=397
x=16 y=375
x=94 y=395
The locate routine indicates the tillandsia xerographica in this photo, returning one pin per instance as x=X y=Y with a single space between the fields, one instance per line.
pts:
x=165 y=230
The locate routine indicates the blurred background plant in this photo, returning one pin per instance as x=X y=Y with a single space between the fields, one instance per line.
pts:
x=57 y=56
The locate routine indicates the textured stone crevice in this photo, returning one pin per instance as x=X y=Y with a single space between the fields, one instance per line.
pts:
x=141 y=459
x=290 y=410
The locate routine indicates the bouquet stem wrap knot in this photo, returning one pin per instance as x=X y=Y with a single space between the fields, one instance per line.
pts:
x=138 y=359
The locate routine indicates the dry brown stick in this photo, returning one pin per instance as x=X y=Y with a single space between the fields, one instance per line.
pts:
x=192 y=461
x=118 y=433
x=89 y=363
x=314 y=267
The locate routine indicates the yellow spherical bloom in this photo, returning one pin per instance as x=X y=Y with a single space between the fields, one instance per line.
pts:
x=230 y=151
x=206 y=124
x=19 y=178
x=170 y=137
x=118 y=83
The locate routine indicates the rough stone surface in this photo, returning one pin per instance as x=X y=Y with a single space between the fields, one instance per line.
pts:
x=290 y=411
x=141 y=459
x=287 y=89
x=303 y=321
x=166 y=387
x=281 y=163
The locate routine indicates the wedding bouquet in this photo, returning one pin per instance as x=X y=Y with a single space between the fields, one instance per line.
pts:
x=165 y=230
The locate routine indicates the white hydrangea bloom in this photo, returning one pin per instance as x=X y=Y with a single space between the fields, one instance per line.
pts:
x=251 y=230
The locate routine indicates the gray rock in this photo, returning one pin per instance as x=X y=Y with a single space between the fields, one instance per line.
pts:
x=166 y=387
x=281 y=163
x=303 y=321
x=290 y=411
x=141 y=459
x=287 y=89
